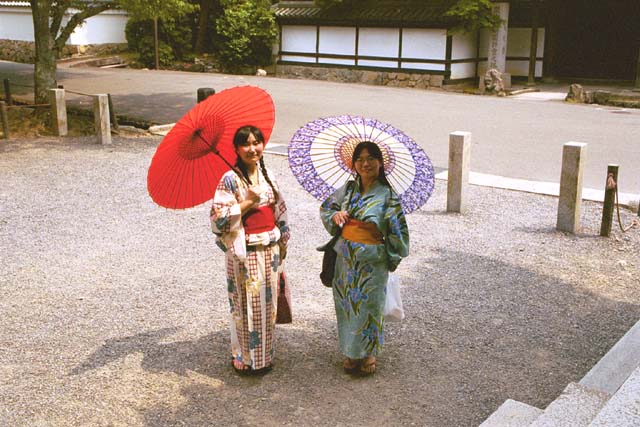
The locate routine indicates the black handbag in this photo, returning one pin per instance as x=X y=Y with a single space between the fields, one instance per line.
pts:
x=329 y=261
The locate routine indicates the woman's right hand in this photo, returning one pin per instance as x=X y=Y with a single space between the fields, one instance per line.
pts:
x=253 y=194
x=340 y=217
x=251 y=199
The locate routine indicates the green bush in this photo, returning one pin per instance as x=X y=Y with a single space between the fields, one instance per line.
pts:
x=146 y=54
x=175 y=38
x=246 y=33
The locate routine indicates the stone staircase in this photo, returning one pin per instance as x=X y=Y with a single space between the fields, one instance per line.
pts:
x=608 y=396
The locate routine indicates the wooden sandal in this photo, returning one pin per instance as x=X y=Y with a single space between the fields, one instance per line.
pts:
x=368 y=366
x=350 y=366
x=240 y=367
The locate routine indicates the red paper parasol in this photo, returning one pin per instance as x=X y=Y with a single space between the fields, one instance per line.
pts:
x=198 y=150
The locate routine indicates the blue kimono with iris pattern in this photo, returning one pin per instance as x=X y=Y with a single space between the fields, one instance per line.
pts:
x=361 y=272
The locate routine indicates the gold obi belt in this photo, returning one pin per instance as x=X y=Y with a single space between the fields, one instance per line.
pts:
x=362 y=232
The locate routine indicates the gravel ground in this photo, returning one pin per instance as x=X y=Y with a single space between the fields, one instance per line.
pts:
x=113 y=311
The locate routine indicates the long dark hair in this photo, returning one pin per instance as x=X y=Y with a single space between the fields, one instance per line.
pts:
x=376 y=153
x=240 y=138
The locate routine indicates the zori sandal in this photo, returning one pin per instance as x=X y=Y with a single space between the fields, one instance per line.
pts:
x=368 y=366
x=350 y=365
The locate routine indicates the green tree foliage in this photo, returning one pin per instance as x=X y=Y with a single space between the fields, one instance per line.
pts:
x=247 y=30
x=175 y=36
x=158 y=10
x=472 y=15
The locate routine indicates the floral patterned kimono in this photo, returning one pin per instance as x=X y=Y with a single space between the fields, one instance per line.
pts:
x=359 y=284
x=253 y=266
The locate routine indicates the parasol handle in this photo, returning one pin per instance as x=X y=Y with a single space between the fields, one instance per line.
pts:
x=217 y=153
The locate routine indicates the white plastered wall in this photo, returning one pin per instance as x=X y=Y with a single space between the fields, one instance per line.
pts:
x=16 y=23
x=464 y=46
x=424 y=44
x=298 y=38
x=337 y=41
x=381 y=42
x=107 y=27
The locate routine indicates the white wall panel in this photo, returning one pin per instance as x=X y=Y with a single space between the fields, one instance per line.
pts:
x=382 y=64
x=337 y=61
x=16 y=24
x=299 y=38
x=107 y=27
x=464 y=45
x=337 y=40
x=379 y=42
x=463 y=70
x=422 y=66
x=423 y=43
x=298 y=58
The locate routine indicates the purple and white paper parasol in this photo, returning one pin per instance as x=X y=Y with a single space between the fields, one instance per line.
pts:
x=320 y=158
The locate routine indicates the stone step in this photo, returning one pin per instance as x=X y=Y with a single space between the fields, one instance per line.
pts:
x=512 y=414
x=623 y=409
x=616 y=366
x=577 y=406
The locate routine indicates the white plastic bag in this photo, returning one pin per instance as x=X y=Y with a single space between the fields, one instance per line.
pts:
x=393 y=311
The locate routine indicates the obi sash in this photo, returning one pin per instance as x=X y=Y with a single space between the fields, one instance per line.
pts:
x=259 y=220
x=362 y=232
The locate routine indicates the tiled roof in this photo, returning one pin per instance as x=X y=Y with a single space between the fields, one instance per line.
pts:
x=305 y=12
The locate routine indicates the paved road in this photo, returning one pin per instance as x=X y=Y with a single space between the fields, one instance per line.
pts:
x=516 y=137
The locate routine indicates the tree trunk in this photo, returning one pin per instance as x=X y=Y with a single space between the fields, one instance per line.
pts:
x=44 y=73
x=203 y=21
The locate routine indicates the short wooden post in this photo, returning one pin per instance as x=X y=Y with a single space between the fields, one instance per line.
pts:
x=570 y=200
x=7 y=92
x=112 y=113
x=458 y=173
x=609 y=200
x=4 y=117
x=204 y=93
x=58 y=112
x=101 y=118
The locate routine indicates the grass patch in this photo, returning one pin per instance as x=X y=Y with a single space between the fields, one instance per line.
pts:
x=29 y=122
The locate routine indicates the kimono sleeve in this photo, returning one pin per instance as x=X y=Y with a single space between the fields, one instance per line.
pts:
x=397 y=239
x=226 y=216
x=330 y=207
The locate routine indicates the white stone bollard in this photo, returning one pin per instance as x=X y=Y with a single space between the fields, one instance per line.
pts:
x=570 y=200
x=101 y=118
x=458 y=173
x=58 y=112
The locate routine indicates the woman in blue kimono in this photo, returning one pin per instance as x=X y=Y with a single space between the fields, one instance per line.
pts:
x=374 y=239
